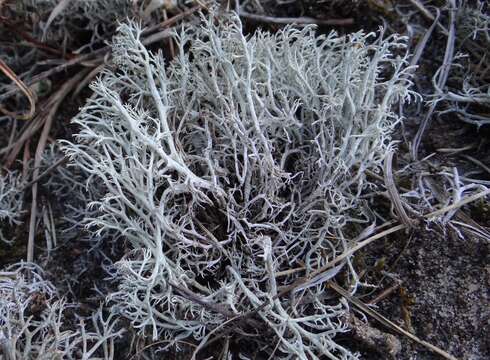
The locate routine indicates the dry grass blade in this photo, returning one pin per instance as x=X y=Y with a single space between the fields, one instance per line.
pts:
x=359 y=246
x=58 y=9
x=304 y=280
x=296 y=20
x=423 y=42
x=393 y=192
x=16 y=146
x=30 y=95
x=173 y=20
x=58 y=98
x=386 y=322
x=385 y=293
x=32 y=41
x=427 y=14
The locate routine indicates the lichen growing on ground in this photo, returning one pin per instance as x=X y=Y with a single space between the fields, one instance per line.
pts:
x=240 y=160
x=34 y=322
x=11 y=203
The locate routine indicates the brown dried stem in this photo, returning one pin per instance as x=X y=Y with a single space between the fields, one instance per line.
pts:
x=27 y=92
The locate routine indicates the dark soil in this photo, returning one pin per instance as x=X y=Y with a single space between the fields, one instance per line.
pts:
x=444 y=294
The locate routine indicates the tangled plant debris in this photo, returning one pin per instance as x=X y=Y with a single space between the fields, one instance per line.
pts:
x=68 y=17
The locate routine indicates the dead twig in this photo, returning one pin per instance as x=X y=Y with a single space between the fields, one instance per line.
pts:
x=33 y=42
x=97 y=54
x=16 y=146
x=295 y=20
x=46 y=172
x=27 y=92
x=385 y=293
x=173 y=20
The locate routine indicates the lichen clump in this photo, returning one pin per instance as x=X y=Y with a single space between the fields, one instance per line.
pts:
x=238 y=161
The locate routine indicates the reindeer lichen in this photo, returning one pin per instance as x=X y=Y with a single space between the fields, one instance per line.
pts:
x=33 y=321
x=233 y=166
x=11 y=201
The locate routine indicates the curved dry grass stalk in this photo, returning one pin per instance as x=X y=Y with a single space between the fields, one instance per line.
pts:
x=26 y=90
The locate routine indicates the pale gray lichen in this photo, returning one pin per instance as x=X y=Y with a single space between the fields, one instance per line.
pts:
x=33 y=322
x=11 y=202
x=240 y=160
x=60 y=23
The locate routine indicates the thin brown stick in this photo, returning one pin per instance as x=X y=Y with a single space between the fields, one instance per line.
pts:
x=427 y=14
x=46 y=172
x=32 y=41
x=173 y=20
x=188 y=294
x=27 y=92
x=384 y=294
x=295 y=20
x=97 y=54
x=25 y=159
x=169 y=42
